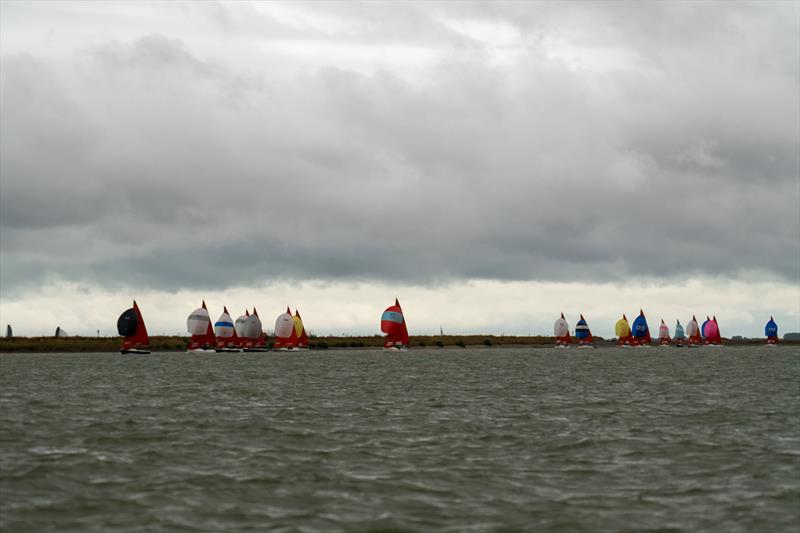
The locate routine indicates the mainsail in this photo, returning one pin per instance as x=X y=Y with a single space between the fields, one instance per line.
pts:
x=561 y=331
x=60 y=332
x=199 y=326
x=393 y=324
x=770 y=331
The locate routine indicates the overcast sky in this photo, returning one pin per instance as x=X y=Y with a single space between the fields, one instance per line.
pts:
x=490 y=164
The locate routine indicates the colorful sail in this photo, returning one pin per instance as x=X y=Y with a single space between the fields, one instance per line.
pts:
x=582 y=332
x=300 y=330
x=225 y=331
x=131 y=326
x=710 y=331
x=640 y=331
x=393 y=324
x=693 y=332
x=663 y=333
x=285 y=337
x=703 y=328
x=623 y=331
x=771 y=331
x=680 y=335
x=561 y=331
x=199 y=326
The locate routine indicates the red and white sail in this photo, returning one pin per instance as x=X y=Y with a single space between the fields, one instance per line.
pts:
x=199 y=326
x=561 y=331
x=393 y=324
x=663 y=333
x=225 y=331
x=285 y=336
x=693 y=332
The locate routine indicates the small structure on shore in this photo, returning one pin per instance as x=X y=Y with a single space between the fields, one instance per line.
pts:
x=60 y=332
x=9 y=333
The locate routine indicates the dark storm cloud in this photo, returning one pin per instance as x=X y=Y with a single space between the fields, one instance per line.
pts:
x=165 y=161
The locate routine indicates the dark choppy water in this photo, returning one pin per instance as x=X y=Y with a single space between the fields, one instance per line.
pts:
x=470 y=440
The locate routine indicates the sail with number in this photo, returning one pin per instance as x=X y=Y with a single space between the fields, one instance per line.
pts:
x=640 y=330
x=131 y=326
x=561 y=331
x=771 y=331
x=393 y=324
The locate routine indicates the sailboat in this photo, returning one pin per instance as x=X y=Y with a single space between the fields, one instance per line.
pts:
x=680 y=335
x=285 y=336
x=227 y=340
x=238 y=326
x=623 y=332
x=640 y=331
x=663 y=334
x=9 y=333
x=253 y=332
x=583 y=334
x=561 y=332
x=199 y=326
x=131 y=326
x=771 y=332
x=710 y=331
x=393 y=324
x=693 y=333
x=300 y=331
x=60 y=332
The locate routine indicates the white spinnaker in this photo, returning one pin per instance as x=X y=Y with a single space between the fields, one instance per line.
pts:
x=252 y=327
x=692 y=328
x=239 y=325
x=224 y=326
x=663 y=331
x=561 y=328
x=284 y=326
x=197 y=323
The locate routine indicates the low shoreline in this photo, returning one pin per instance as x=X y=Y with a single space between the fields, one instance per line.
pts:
x=179 y=344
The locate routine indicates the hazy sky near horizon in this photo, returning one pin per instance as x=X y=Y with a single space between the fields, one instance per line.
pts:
x=491 y=164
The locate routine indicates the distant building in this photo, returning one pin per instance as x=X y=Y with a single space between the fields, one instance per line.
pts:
x=737 y=338
x=8 y=331
x=791 y=336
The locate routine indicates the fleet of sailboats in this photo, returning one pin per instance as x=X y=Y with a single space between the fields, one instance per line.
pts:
x=246 y=332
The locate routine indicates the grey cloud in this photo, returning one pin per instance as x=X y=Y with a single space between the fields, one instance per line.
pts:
x=144 y=163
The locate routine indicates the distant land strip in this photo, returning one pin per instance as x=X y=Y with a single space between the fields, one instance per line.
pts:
x=179 y=344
